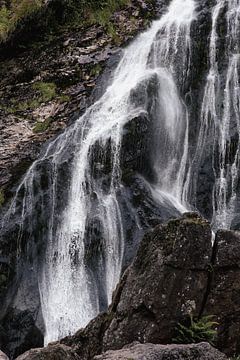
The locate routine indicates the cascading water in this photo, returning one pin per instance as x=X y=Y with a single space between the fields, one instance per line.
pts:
x=219 y=119
x=69 y=289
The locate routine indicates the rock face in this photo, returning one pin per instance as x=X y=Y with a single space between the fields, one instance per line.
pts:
x=166 y=282
x=57 y=352
x=223 y=299
x=202 y=351
x=68 y=64
x=176 y=273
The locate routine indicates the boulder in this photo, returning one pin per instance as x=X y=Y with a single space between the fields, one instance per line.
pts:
x=3 y=356
x=165 y=283
x=54 y=352
x=202 y=351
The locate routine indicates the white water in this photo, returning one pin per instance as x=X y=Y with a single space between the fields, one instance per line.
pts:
x=220 y=114
x=69 y=294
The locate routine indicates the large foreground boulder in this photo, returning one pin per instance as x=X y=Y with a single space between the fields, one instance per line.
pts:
x=202 y=351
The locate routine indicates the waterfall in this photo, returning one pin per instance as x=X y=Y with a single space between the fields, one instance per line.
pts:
x=72 y=293
x=219 y=117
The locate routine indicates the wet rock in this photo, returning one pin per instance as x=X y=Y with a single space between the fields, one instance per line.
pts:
x=168 y=274
x=224 y=295
x=202 y=351
x=21 y=333
x=165 y=283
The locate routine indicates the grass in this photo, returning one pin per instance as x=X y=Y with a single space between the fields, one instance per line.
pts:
x=17 y=10
x=78 y=12
x=46 y=91
x=42 y=126
x=102 y=15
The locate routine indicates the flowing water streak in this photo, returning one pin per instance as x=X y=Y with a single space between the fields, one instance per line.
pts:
x=69 y=289
x=224 y=198
x=216 y=124
x=208 y=117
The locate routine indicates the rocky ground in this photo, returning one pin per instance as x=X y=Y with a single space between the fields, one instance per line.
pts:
x=46 y=86
x=176 y=275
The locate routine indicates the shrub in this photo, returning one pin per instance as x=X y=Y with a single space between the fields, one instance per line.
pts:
x=198 y=330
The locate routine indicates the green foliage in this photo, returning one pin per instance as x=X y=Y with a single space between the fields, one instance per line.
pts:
x=102 y=11
x=202 y=329
x=2 y=197
x=237 y=357
x=47 y=91
x=42 y=126
x=16 y=11
x=5 y=16
x=75 y=13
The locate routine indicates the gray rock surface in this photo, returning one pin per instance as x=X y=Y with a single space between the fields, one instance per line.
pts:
x=202 y=351
x=54 y=352
x=3 y=356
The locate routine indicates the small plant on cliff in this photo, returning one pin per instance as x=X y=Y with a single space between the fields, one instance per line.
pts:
x=47 y=91
x=198 y=330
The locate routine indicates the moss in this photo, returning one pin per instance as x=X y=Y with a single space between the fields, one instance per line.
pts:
x=17 y=10
x=96 y=70
x=47 y=91
x=2 y=197
x=64 y=98
x=5 y=16
x=102 y=14
x=42 y=126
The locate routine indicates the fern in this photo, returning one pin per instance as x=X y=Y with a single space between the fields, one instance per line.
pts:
x=203 y=329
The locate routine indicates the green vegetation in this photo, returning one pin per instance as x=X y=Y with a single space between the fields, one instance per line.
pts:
x=2 y=197
x=46 y=91
x=102 y=11
x=15 y=12
x=78 y=12
x=198 y=330
x=42 y=126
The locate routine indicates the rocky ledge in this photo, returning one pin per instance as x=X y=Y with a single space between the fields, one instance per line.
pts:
x=176 y=275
